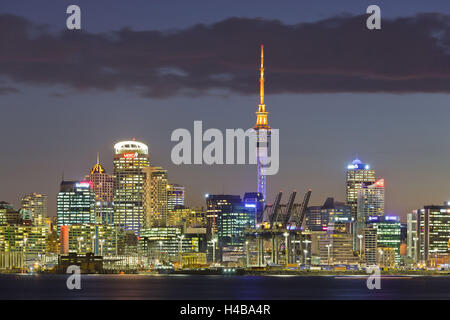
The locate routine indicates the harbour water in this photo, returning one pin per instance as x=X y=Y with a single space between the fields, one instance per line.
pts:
x=201 y=287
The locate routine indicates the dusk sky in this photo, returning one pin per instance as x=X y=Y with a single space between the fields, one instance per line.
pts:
x=142 y=69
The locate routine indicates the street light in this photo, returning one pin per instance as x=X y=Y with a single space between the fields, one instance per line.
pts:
x=329 y=249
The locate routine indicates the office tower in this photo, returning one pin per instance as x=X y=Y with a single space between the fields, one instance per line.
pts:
x=254 y=204
x=130 y=160
x=433 y=234
x=175 y=196
x=370 y=245
x=100 y=239
x=336 y=246
x=318 y=218
x=262 y=129
x=103 y=187
x=75 y=203
x=370 y=203
x=388 y=236
x=357 y=174
x=165 y=243
x=412 y=236
x=22 y=238
x=231 y=219
x=186 y=217
x=36 y=203
x=8 y=215
x=155 y=197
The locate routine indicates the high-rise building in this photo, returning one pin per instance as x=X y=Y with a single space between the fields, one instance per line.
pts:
x=75 y=203
x=183 y=216
x=103 y=186
x=175 y=196
x=433 y=234
x=388 y=234
x=412 y=236
x=36 y=203
x=370 y=245
x=231 y=219
x=357 y=174
x=336 y=245
x=370 y=203
x=254 y=206
x=22 y=238
x=155 y=200
x=130 y=160
x=262 y=129
x=318 y=218
x=8 y=215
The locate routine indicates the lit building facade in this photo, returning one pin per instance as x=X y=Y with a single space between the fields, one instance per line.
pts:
x=75 y=203
x=318 y=218
x=100 y=239
x=357 y=174
x=155 y=200
x=175 y=196
x=370 y=203
x=131 y=158
x=103 y=187
x=254 y=205
x=26 y=239
x=336 y=246
x=433 y=233
x=388 y=234
x=36 y=203
x=182 y=216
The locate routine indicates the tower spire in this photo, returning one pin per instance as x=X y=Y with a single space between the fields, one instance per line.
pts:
x=261 y=114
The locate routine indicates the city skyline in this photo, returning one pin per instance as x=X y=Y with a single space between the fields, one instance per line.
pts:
x=58 y=126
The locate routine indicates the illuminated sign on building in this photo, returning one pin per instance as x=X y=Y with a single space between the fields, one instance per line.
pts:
x=130 y=155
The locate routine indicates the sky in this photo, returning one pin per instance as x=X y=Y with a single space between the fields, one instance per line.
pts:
x=142 y=69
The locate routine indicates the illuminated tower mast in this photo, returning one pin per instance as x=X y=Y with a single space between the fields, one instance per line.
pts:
x=262 y=133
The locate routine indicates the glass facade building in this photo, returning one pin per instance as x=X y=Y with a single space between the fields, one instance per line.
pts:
x=130 y=160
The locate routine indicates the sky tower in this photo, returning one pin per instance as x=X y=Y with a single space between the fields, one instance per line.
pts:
x=262 y=133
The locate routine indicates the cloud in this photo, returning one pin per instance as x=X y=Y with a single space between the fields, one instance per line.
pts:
x=8 y=90
x=338 y=54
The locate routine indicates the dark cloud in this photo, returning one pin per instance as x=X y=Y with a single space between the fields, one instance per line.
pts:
x=8 y=90
x=338 y=54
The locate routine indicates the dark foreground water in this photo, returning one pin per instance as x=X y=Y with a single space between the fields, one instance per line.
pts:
x=182 y=287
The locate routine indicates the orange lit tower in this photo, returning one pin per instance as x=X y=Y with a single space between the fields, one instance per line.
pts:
x=262 y=132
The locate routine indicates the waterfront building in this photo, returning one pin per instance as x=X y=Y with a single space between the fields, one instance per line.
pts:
x=388 y=235
x=155 y=199
x=23 y=238
x=75 y=203
x=130 y=160
x=370 y=246
x=103 y=187
x=412 y=236
x=336 y=246
x=433 y=234
x=99 y=239
x=36 y=203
